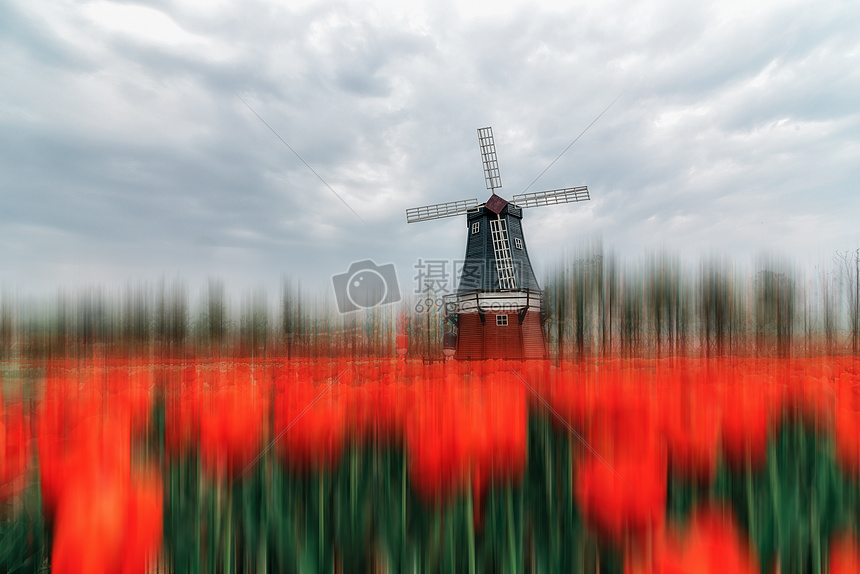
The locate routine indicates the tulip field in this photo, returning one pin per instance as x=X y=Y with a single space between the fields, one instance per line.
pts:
x=393 y=465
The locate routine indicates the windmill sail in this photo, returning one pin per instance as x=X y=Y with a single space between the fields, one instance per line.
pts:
x=440 y=210
x=491 y=162
x=552 y=197
x=502 y=251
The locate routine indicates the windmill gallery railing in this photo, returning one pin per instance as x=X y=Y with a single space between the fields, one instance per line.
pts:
x=498 y=301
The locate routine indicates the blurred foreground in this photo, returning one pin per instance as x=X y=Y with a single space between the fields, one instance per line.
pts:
x=387 y=465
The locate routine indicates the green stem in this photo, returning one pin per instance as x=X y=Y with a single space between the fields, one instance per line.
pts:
x=511 y=536
x=750 y=502
x=470 y=530
x=321 y=522
x=449 y=540
x=228 y=536
x=773 y=474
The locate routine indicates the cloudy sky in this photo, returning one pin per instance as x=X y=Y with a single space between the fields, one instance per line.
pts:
x=127 y=153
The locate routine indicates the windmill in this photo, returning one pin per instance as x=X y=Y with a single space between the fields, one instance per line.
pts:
x=498 y=303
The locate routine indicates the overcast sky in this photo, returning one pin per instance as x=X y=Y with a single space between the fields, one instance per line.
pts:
x=128 y=155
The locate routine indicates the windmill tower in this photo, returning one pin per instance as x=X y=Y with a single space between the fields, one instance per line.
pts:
x=498 y=303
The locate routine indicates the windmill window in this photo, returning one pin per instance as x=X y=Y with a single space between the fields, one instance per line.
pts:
x=476 y=227
x=501 y=320
x=518 y=242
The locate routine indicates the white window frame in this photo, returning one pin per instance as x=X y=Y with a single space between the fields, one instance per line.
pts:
x=476 y=227
x=501 y=320
x=518 y=243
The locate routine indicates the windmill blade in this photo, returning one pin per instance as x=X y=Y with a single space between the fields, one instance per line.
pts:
x=488 y=155
x=552 y=197
x=440 y=210
x=502 y=251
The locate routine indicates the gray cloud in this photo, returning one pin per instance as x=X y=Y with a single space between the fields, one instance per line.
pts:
x=126 y=153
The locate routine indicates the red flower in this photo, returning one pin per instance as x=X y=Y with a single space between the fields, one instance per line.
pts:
x=625 y=492
x=14 y=449
x=709 y=544
x=317 y=435
x=231 y=429
x=437 y=443
x=106 y=518
x=106 y=523
x=746 y=422
x=844 y=554
x=143 y=524
x=847 y=437
x=61 y=416
x=460 y=433
x=691 y=424
x=627 y=498
x=182 y=419
x=89 y=526
x=812 y=396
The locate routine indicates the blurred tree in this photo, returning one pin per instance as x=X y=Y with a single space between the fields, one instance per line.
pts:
x=828 y=311
x=848 y=265
x=775 y=310
x=612 y=297
x=170 y=328
x=60 y=328
x=720 y=310
x=136 y=320
x=7 y=329
x=661 y=294
x=584 y=289
x=211 y=326
x=291 y=314
x=630 y=316
x=254 y=323
x=92 y=322
x=555 y=301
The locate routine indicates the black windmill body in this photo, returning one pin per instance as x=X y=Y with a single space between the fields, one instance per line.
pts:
x=497 y=306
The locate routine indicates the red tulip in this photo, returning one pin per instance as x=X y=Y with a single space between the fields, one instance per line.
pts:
x=182 y=417
x=626 y=497
x=844 y=554
x=65 y=409
x=709 y=544
x=625 y=492
x=746 y=422
x=231 y=429
x=691 y=423
x=14 y=449
x=143 y=524
x=88 y=531
x=106 y=523
x=847 y=438
x=311 y=438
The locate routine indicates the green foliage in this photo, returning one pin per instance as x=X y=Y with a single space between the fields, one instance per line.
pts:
x=555 y=536
x=24 y=544
x=792 y=505
x=363 y=514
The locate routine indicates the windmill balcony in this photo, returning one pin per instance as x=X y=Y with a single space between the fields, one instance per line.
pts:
x=498 y=301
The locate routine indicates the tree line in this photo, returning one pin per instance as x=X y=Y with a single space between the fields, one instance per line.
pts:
x=593 y=305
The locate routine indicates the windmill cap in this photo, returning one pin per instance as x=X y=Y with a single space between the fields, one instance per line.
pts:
x=496 y=204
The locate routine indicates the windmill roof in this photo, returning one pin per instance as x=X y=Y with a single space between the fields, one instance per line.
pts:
x=496 y=204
